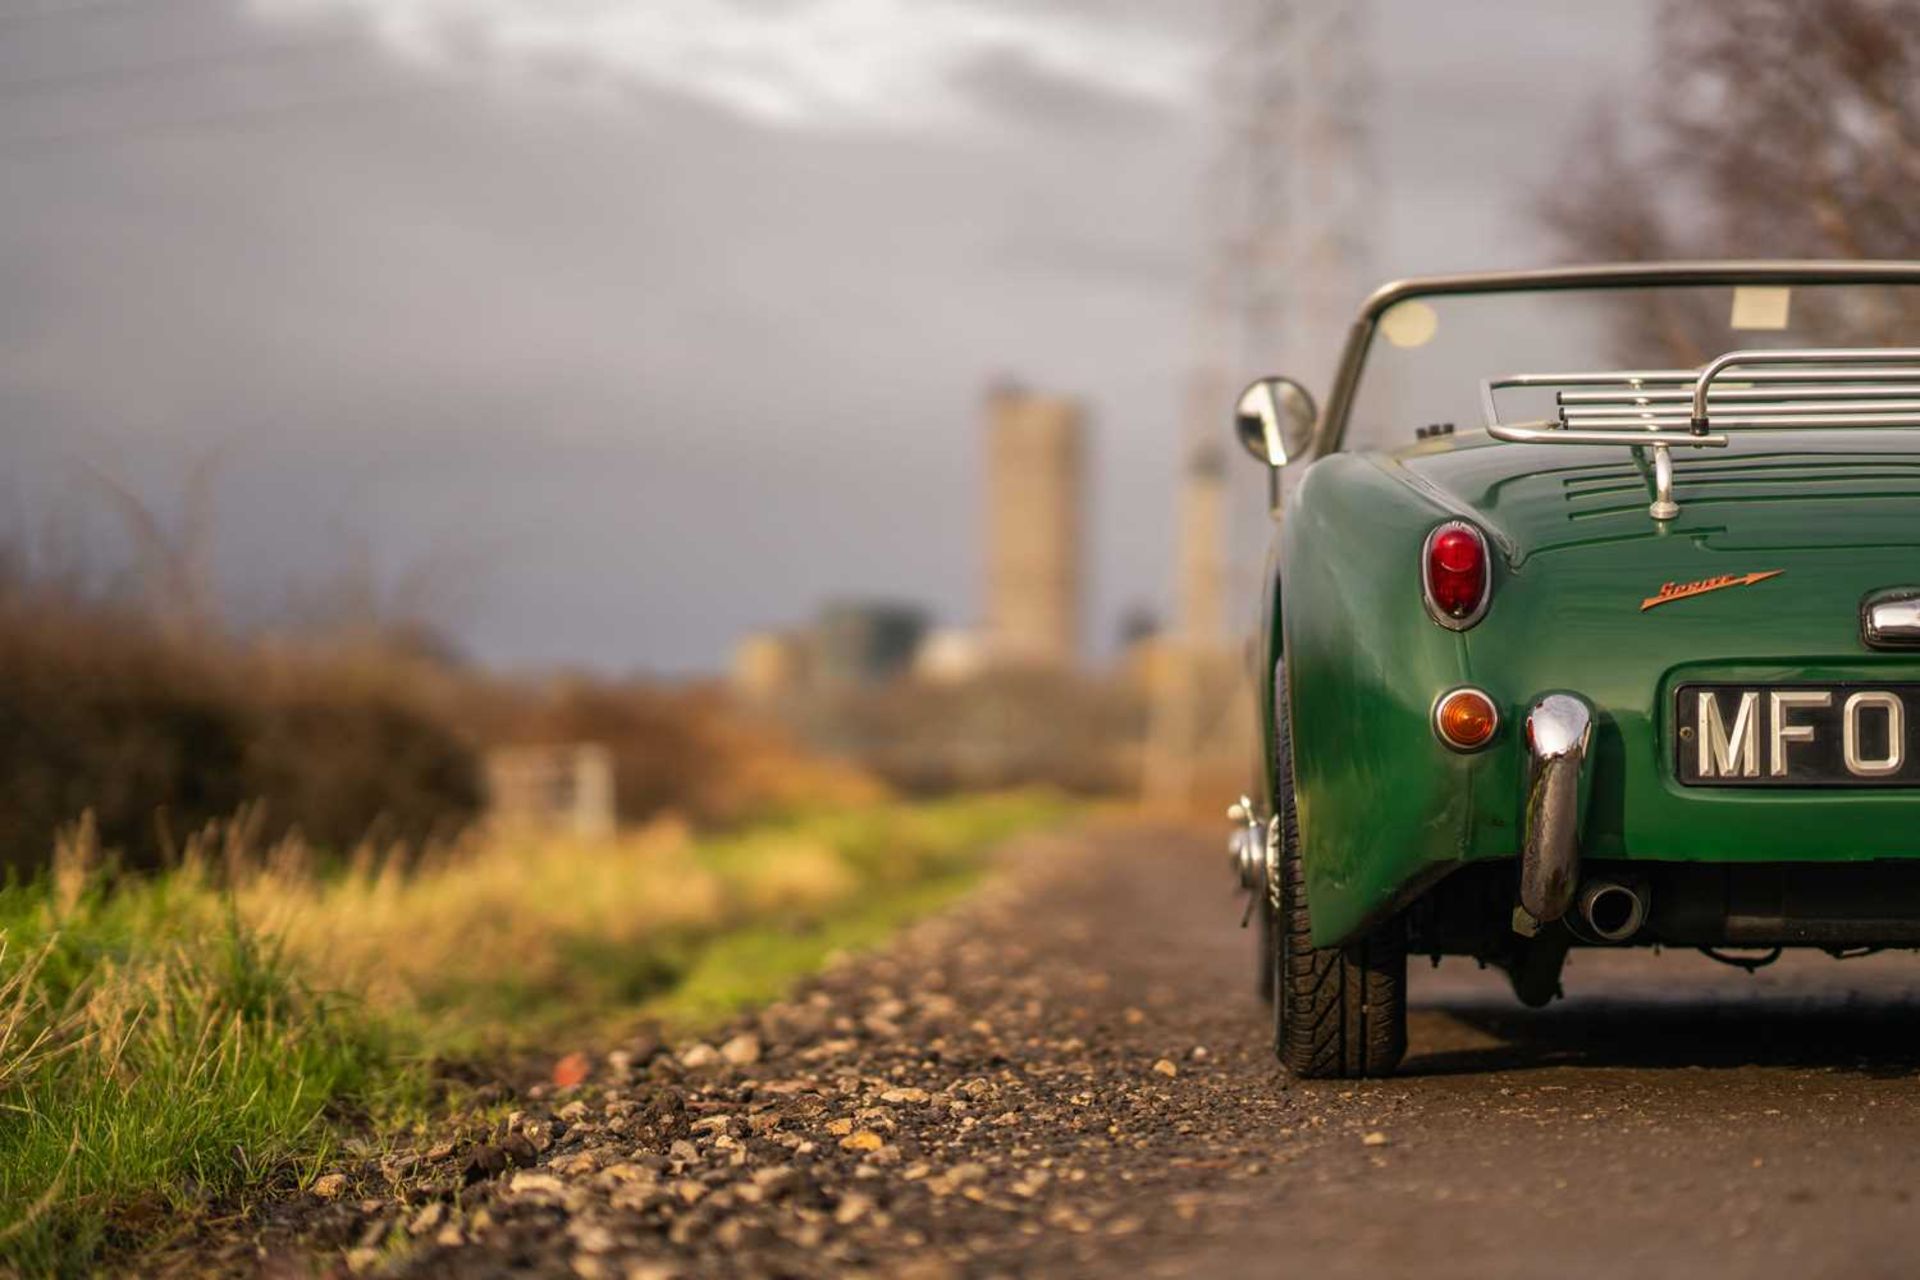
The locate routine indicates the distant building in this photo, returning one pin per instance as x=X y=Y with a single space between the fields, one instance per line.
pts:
x=866 y=642
x=771 y=664
x=1036 y=459
x=950 y=657
x=849 y=642
x=1035 y=575
x=566 y=789
x=1145 y=649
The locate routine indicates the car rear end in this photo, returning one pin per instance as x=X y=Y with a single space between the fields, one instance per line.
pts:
x=1712 y=719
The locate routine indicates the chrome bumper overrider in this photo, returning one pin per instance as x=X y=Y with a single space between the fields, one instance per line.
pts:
x=1559 y=729
x=1251 y=851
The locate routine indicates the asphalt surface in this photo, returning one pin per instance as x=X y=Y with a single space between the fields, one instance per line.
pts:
x=1073 y=1077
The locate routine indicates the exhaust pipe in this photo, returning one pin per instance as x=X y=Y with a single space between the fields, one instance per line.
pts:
x=1610 y=911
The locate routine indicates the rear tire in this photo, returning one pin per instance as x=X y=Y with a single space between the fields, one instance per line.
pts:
x=1337 y=1011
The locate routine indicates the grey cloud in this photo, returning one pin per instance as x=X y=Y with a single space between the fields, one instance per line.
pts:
x=1011 y=86
x=676 y=374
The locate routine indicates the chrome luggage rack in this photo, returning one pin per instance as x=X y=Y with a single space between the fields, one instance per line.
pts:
x=1658 y=410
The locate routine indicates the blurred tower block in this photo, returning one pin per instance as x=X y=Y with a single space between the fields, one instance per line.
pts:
x=1036 y=456
x=566 y=789
x=864 y=642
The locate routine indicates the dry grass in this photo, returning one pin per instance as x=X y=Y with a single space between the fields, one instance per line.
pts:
x=499 y=938
x=155 y=1055
x=170 y=1041
x=492 y=920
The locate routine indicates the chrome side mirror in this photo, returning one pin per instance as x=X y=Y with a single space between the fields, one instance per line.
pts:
x=1274 y=420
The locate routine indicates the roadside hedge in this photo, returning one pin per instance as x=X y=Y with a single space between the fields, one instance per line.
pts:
x=156 y=736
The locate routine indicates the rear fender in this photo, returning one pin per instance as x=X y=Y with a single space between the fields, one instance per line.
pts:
x=1384 y=808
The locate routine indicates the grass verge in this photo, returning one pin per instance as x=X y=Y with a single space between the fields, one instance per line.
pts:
x=174 y=1040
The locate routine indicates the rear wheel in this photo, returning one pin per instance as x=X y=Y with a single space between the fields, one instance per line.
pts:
x=1337 y=1011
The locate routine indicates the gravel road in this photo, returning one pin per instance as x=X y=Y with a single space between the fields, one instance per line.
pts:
x=1072 y=1076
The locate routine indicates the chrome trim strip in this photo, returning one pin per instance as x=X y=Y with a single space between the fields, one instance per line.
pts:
x=1559 y=731
x=1890 y=619
x=1434 y=610
x=1433 y=718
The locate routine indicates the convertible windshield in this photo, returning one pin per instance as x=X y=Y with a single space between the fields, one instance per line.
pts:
x=1429 y=353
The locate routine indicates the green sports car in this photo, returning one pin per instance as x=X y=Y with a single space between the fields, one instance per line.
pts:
x=1594 y=621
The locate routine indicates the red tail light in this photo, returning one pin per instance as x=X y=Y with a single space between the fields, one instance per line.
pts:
x=1455 y=574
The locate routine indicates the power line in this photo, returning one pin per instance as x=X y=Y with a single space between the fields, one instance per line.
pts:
x=1286 y=194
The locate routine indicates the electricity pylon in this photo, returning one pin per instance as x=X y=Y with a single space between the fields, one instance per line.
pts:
x=1284 y=202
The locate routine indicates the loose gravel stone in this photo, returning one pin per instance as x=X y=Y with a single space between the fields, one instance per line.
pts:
x=1070 y=1076
x=742 y=1050
x=965 y=1102
x=536 y=1184
x=428 y=1219
x=483 y=1162
x=699 y=1056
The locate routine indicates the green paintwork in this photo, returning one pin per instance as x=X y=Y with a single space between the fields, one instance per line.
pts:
x=1385 y=809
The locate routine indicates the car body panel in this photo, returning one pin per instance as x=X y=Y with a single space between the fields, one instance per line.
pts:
x=1385 y=808
x=1798 y=489
x=1380 y=802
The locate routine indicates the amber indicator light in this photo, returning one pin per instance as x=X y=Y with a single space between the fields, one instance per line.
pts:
x=1466 y=719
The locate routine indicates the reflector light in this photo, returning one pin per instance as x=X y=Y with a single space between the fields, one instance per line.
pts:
x=1465 y=719
x=1455 y=575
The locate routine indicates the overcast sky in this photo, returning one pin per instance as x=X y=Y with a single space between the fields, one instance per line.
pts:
x=654 y=321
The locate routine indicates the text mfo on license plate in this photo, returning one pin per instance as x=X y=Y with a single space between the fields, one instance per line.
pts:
x=1806 y=735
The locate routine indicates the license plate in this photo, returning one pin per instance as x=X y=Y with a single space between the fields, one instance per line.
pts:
x=1798 y=735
